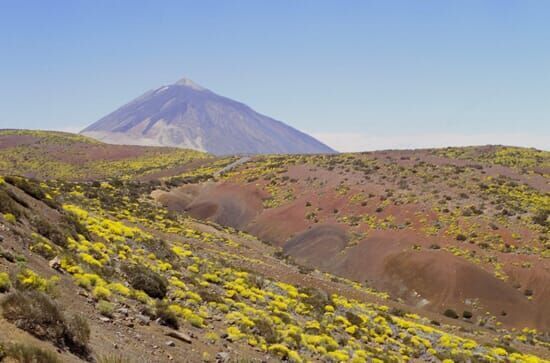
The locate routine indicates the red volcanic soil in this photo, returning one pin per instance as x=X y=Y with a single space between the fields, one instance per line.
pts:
x=76 y=151
x=9 y=141
x=409 y=157
x=227 y=204
x=79 y=151
x=434 y=279
x=386 y=226
x=326 y=240
x=277 y=225
x=446 y=280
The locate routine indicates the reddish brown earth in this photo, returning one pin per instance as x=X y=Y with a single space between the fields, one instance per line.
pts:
x=227 y=204
x=375 y=218
x=53 y=155
x=434 y=279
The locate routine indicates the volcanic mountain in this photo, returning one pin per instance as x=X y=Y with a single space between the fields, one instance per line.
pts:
x=187 y=115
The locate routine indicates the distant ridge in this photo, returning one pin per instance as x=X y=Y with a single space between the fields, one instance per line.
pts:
x=187 y=115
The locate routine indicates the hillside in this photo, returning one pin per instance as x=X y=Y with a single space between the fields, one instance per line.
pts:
x=58 y=155
x=187 y=115
x=465 y=229
x=298 y=258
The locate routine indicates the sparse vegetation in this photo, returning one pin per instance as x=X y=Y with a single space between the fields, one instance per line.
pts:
x=25 y=353
x=129 y=255
x=115 y=358
x=38 y=314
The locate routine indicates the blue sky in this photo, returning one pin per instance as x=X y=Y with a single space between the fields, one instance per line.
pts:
x=357 y=74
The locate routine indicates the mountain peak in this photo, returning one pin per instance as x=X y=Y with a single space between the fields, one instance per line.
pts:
x=187 y=115
x=189 y=83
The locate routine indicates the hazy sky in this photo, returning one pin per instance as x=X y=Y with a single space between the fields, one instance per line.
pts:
x=357 y=74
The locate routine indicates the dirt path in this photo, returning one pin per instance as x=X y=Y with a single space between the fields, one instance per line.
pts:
x=232 y=165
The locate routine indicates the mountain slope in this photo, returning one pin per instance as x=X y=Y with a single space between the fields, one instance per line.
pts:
x=149 y=285
x=187 y=115
x=60 y=155
x=462 y=228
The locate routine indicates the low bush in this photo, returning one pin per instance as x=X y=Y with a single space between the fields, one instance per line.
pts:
x=27 y=279
x=75 y=225
x=397 y=312
x=113 y=359
x=25 y=353
x=142 y=278
x=101 y=293
x=265 y=329
x=317 y=299
x=166 y=316
x=450 y=313
x=353 y=318
x=162 y=251
x=7 y=255
x=541 y=217
x=461 y=237
x=10 y=218
x=36 y=313
x=77 y=335
x=5 y=283
x=305 y=269
x=208 y=295
x=106 y=308
x=48 y=230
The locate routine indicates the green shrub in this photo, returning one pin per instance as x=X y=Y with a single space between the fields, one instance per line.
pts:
x=113 y=359
x=37 y=314
x=265 y=329
x=353 y=318
x=541 y=217
x=101 y=293
x=76 y=226
x=317 y=299
x=10 y=218
x=450 y=313
x=142 y=278
x=162 y=251
x=7 y=255
x=461 y=237
x=25 y=353
x=397 y=312
x=77 y=335
x=208 y=295
x=166 y=316
x=106 y=308
x=46 y=229
x=5 y=283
